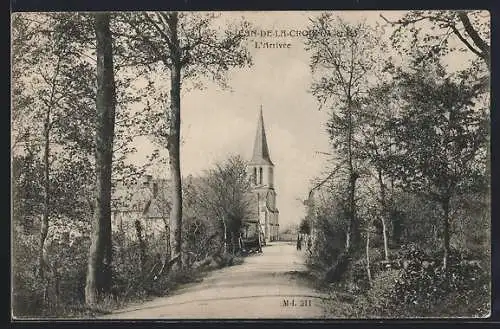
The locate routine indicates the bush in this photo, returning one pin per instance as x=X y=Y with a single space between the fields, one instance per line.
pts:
x=415 y=285
x=378 y=301
x=425 y=289
x=64 y=279
x=27 y=290
x=62 y=293
x=329 y=242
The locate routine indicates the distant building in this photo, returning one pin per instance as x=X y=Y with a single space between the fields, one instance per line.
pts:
x=261 y=171
x=148 y=201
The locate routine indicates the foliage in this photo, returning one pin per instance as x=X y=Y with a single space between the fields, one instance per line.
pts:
x=452 y=130
x=305 y=226
x=330 y=231
x=223 y=195
x=187 y=47
x=415 y=285
x=469 y=28
x=416 y=135
x=343 y=63
x=205 y=50
x=54 y=110
x=63 y=286
x=26 y=189
x=423 y=284
x=377 y=302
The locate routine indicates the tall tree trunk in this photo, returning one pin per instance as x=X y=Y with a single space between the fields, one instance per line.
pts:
x=44 y=225
x=99 y=263
x=368 y=271
x=354 y=234
x=384 y=235
x=225 y=235
x=142 y=243
x=174 y=141
x=231 y=241
x=348 y=239
x=446 y=231
x=167 y=234
x=353 y=229
x=385 y=213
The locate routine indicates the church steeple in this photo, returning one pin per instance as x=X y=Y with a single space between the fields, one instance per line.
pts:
x=261 y=173
x=260 y=149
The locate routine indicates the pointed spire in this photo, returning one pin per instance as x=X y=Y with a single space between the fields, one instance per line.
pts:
x=260 y=149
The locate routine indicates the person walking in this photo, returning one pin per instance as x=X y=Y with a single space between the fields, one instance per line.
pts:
x=259 y=250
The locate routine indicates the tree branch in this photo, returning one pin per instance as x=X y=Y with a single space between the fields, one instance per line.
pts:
x=464 y=41
x=326 y=179
x=478 y=41
x=158 y=28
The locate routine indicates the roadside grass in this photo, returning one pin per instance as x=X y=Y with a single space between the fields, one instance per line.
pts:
x=174 y=282
x=108 y=304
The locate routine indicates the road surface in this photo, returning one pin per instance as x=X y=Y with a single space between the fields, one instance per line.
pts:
x=273 y=284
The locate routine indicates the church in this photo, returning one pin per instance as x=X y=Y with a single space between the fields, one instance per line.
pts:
x=261 y=171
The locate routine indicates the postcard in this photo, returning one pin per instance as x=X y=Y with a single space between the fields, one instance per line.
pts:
x=250 y=165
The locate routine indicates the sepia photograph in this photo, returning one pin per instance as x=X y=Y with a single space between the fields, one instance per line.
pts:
x=175 y=165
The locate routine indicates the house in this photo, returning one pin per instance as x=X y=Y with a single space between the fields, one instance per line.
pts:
x=148 y=201
x=261 y=171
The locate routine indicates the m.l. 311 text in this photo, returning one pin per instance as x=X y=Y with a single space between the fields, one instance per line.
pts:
x=296 y=303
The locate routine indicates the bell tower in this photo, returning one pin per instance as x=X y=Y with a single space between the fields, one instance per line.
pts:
x=261 y=167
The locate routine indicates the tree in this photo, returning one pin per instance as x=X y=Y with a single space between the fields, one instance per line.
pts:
x=327 y=205
x=201 y=228
x=441 y=137
x=187 y=47
x=224 y=195
x=99 y=265
x=376 y=145
x=305 y=226
x=341 y=60
x=53 y=112
x=471 y=28
x=42 y=109
x=27 y=190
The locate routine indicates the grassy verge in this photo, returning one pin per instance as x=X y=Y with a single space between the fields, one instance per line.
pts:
x=167 y=285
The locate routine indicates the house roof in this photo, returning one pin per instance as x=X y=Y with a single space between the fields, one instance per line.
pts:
x=140 y=198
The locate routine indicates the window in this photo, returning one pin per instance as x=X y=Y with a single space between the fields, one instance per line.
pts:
x=255 y=176
x=260 y=175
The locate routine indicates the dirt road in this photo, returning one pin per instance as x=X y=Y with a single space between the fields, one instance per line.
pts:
x=273 y=284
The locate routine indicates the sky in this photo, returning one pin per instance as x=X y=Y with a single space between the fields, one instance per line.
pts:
x=217 y=122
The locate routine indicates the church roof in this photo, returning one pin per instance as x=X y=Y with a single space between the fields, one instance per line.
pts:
x=260 y=148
